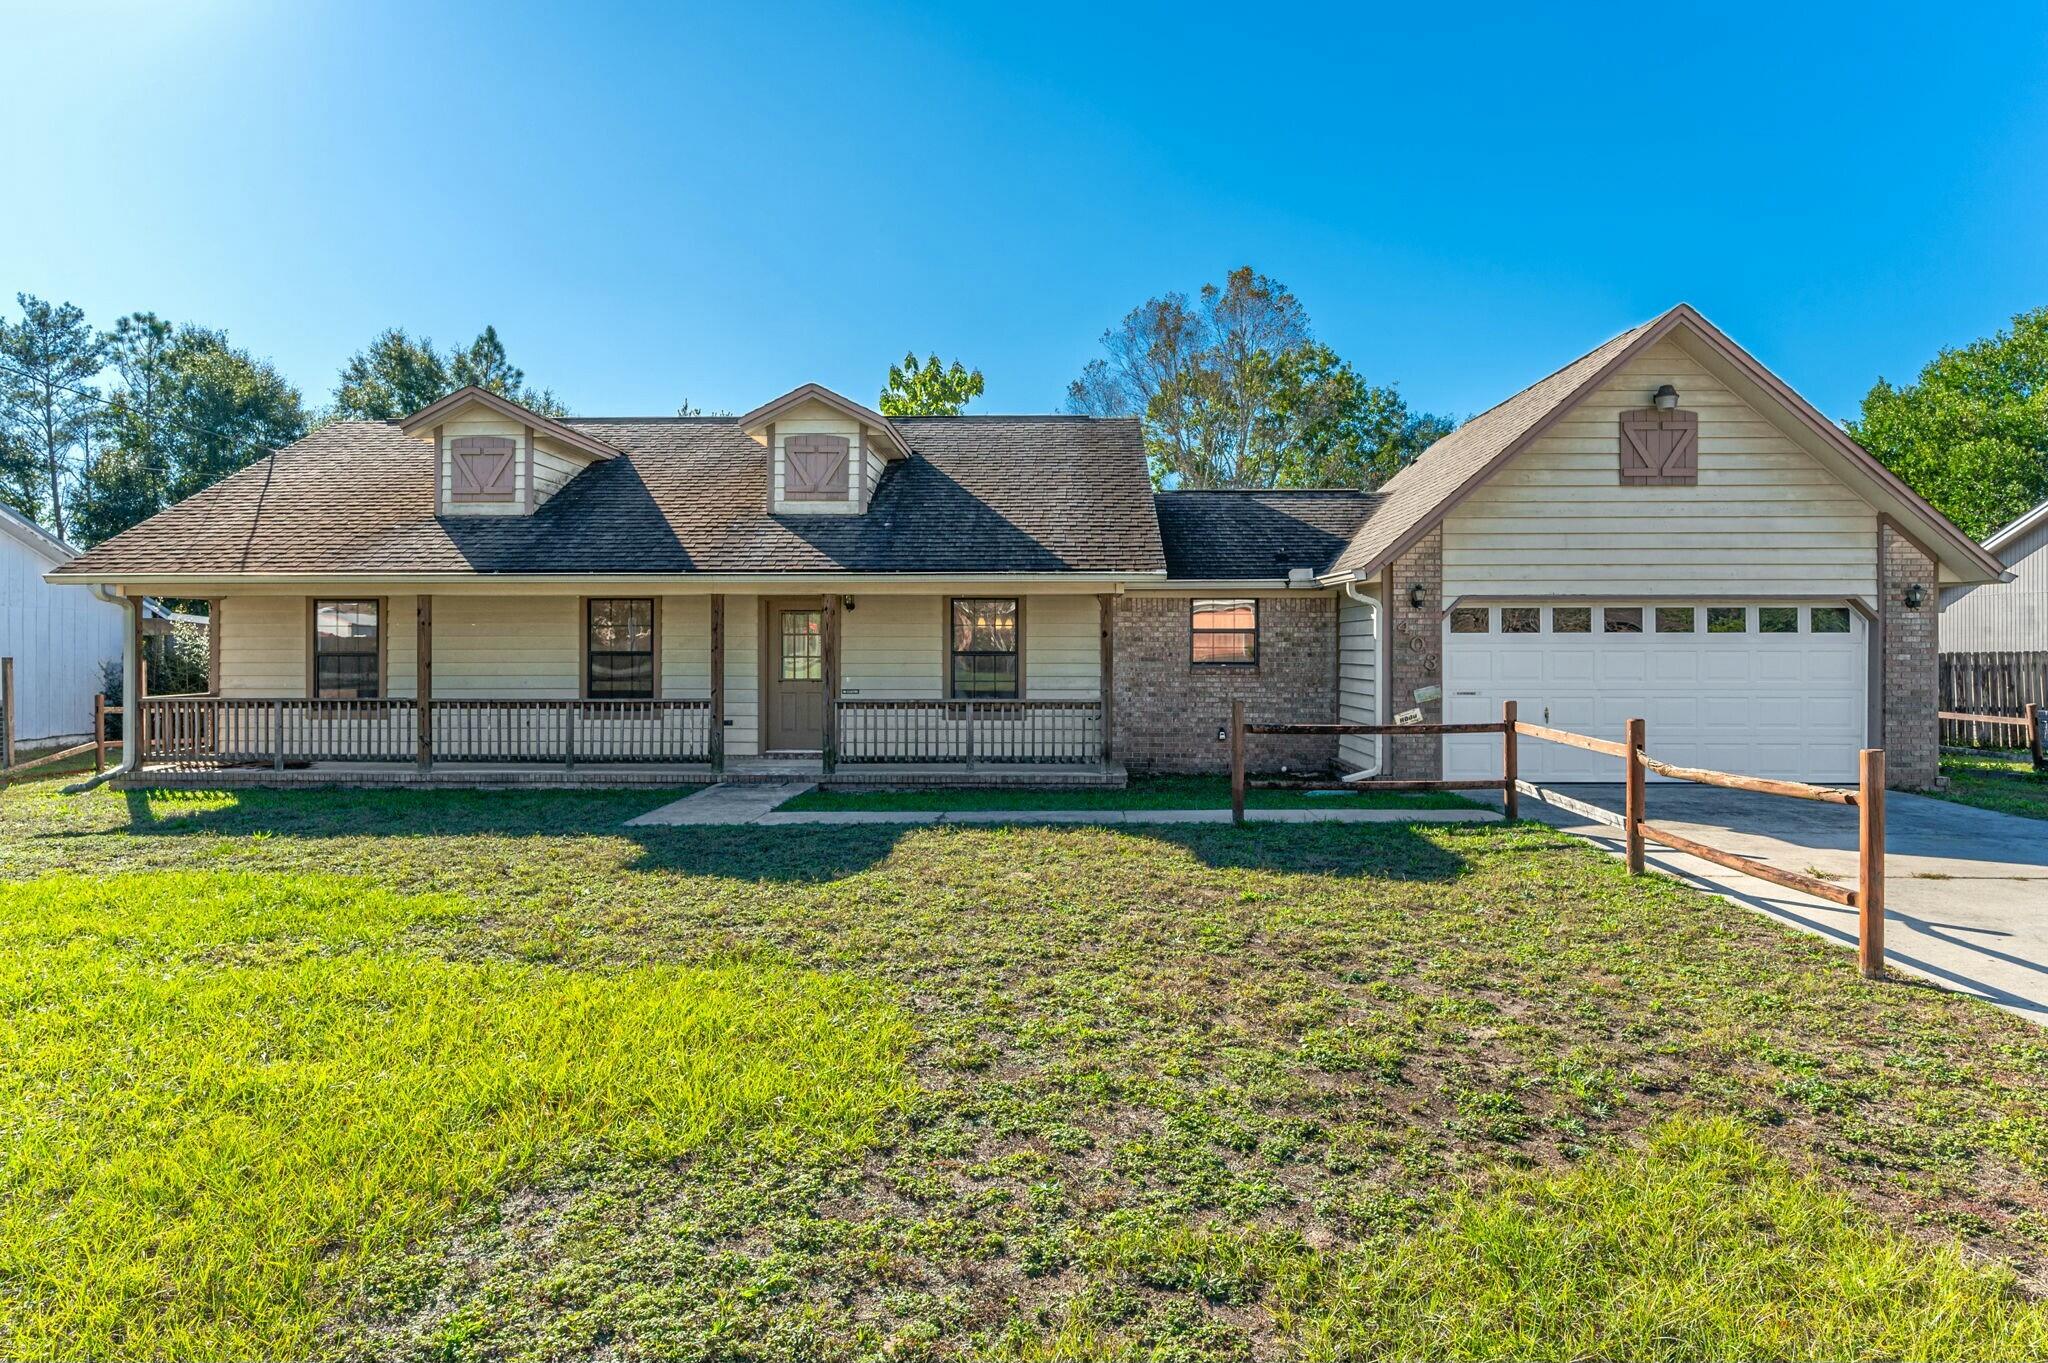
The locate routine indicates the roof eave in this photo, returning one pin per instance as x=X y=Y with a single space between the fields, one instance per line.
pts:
x=435 y=412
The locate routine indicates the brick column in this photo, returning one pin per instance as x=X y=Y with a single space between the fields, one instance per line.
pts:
x=1415 y=641
x=1911 y=671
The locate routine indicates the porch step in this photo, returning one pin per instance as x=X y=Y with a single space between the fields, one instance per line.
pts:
x=725 y=803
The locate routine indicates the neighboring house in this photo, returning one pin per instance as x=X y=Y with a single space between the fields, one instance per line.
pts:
x=1661 y=528
x=2007 y=617
x=58 y=637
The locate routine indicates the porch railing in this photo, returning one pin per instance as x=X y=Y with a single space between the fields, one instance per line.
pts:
x=1035 y=732
x=288 y=730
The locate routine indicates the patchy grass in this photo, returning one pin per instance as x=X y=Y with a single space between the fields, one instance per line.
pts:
x=2006 y=782
x=1178 y=1092
x=1153 y=792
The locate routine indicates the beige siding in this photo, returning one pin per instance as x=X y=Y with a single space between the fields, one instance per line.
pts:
x=893 y=648
x=1357 y=680
x=483 y=425
x=1062 y=648
x=552 y=471
x=815 y=418
x=1765 y=519
x=507 y=647
x=686 y=647
x=263 y=646
x=400 y=623
x=743 y=675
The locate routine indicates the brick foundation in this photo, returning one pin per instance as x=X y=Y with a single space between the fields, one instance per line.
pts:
x=1415 y=655
x=1912 y=734
x=1168 y=711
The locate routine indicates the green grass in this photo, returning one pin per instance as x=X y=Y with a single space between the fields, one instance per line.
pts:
x=223 y=1092
x=1154 y=792
x=2005 y=782
x=1178 y=1092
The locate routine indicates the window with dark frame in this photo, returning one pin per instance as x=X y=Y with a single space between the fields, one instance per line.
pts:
x=1224 y=632
x=619 y=649
x=345 y=650
x=983 y=645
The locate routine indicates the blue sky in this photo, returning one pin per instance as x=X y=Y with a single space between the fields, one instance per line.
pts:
x=654 y=203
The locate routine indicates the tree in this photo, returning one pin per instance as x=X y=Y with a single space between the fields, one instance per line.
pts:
x=1234 y=391
x=1971 y=436
x=395 y=376
x=929 y=389
x=124 y=480
x=46 y=409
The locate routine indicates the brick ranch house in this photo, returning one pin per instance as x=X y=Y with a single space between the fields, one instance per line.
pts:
x=482 y=594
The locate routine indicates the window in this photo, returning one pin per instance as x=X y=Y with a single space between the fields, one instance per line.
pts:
x=1470 y=620
x=984 y=643
x=1521 y=620
x=1621 y=619
x=1676 y=620
x=1777 y=619
x=803 y=645
x=345 y=650
x=620 y=649
x=1727 y=619
x=1571 y=620
x=1224 y=633
x=1830 y=619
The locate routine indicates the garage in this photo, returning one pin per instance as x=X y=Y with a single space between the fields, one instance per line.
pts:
x=1764 y=688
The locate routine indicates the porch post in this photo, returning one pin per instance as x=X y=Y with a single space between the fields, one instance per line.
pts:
x=423 y=669
x=1106 y=607
x=717 y=741
x=131 y=688
x=828 y=646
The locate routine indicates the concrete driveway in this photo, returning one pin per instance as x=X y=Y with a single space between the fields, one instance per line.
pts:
x=1966 y=890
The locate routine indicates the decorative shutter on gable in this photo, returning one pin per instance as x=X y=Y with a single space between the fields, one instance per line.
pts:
x=814 y=468
x=1660 y=448
x=482 y=468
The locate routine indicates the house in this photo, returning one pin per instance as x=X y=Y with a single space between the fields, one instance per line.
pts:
x=1660 y=528
x=58 y=637
x=2010 y=617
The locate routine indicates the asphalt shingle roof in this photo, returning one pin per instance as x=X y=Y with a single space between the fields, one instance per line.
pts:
x=1255 y=534
x=977 y=495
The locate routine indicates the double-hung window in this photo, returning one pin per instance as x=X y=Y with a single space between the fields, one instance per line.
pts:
x=983 y=645
x=619 y=649
x=1224 y=631
x=346 y=650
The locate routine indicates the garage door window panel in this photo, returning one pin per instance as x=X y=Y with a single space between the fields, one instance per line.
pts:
x=1675 y=619
x=1521 y=620
x=1830 y=619
x=1727 y=619
x=1471 y=619
x=1777 y=620
x=1571 y=620
x=1621 y=620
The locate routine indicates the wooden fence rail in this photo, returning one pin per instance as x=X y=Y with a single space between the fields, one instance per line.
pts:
x=2029 y=725
x=1506 y=784
x=1977 y=688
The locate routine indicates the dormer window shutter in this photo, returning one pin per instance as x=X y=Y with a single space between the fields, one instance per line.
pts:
x=814 y=468
x=1660 y=448
x=482 y=468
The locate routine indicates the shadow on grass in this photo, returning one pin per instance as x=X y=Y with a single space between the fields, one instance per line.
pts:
x=793 y=853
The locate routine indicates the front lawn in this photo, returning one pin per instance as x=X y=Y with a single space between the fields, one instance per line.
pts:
x=1144 y=792
x=2006 y=782
x=489 y=1075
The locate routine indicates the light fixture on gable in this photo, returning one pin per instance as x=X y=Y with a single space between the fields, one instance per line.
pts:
x=1666 y=399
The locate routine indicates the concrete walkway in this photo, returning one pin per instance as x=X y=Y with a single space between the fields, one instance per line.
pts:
x=730 y=803
x=1966 y=889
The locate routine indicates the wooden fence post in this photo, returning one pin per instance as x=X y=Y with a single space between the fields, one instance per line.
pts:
x=1633 y=811
x=1237 y=761
x=1510 y=764
x=1870 y=864
x=2034 y=747
x=6 y=713
x=99 y=732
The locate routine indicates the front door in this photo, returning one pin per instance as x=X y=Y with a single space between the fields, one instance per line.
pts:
x=796 y=676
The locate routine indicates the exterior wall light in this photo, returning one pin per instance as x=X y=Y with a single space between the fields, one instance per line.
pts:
x=846 y=601
x=1915 y=594
x=1416 y=596
x=1667 y=398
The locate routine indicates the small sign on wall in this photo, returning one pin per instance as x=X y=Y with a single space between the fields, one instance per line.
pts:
x=1408 y=717
x=1425 y=694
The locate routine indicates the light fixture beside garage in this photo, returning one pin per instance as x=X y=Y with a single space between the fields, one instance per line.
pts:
x=1416 y=596
x=1666 y=398
x=1915 y=595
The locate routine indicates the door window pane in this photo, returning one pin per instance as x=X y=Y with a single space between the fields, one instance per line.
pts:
x=984 y=647
x=619 y=649
x=1830 y=619
x=1777 y=620
x=1621 y=619
x=803 y=645
x=1727 y=619
x=1521 y=620
x=1224 y=632
x=345 y=650
x=1470 y=620
x=1571 y=620
x=1675 y=619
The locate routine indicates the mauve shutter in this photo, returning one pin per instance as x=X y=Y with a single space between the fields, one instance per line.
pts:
x=483 y=467
x=1660 y=448
x=814 y=467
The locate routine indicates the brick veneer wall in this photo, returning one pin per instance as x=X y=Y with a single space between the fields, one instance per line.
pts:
x=1168 y=710
x=1415 y=657
x=1912 y=734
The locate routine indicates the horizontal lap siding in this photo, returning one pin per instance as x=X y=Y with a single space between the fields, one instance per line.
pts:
x=1062 y=648
x=263 y=646
x=743 y=675
x=1765 y=519
x=483 y=426
x=507 y=647
x=893 y=648
x=815 y=418
x=686 y=647
x=1357 y=680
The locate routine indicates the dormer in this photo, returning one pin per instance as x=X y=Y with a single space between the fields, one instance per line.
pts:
x=825 y=453
x=493 y=457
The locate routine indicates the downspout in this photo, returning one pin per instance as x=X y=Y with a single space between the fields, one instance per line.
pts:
x=1372 y=604
x=131 y=680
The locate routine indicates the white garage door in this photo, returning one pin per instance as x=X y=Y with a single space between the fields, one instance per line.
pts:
x=1763 y=689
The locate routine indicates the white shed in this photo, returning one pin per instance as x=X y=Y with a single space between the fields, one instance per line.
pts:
x=58 y=636
x=2009 y=616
